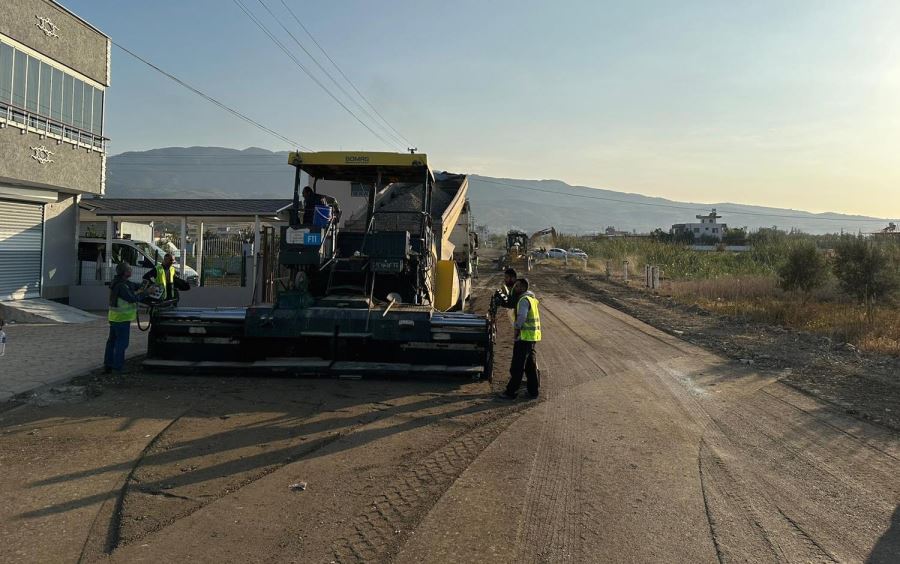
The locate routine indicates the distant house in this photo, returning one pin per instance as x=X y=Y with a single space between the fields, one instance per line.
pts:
x=613 y=232
x=708 y=227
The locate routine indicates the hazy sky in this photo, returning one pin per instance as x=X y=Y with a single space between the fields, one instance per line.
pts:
x=784 y=103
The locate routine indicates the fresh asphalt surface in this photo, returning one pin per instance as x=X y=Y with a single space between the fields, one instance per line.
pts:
x=643 y=448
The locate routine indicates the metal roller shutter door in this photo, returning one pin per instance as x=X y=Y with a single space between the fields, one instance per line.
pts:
x=21 y=242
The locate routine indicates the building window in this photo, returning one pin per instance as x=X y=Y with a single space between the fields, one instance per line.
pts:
x=696 y=230
x=46 y=83
x=6 y=73
x=56 y=90
x=30 y=84
x=78 y=104
x=20 y=69
x=97 y=126
x=68 y=92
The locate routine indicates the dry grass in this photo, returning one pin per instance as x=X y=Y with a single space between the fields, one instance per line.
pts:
x=743 y=288
x=825 y=313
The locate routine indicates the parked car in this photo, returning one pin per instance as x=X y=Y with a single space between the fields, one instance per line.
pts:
x=578 y=253
x=557 y=253
x=141 y=255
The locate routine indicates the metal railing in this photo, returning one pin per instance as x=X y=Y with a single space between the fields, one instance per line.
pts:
x=20 y=117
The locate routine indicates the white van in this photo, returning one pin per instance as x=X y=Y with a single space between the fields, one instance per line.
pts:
x=141 y=255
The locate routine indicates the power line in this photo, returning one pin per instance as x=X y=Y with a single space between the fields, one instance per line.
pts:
x=672 y=206
x=211 y=99
x=350 y=82
x=297 y=62
x=328 y=74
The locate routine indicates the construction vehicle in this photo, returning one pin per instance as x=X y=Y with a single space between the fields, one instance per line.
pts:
x=517 y=252
x=537 y=240
x=362 y=299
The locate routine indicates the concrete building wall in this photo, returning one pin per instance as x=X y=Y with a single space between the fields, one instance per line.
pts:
x=76 y=44
x=72 y=168
x=60 y=247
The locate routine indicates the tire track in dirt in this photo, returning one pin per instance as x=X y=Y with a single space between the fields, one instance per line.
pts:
x=556 y=515
x=381 y=531
x=103 y=535
x=781 y=480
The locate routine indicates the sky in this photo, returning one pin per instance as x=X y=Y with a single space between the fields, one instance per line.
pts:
x=787 y=104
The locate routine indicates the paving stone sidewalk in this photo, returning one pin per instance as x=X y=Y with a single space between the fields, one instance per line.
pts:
x=42 y=354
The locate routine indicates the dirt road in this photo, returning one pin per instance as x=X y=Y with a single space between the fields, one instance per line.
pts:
x=642 y=448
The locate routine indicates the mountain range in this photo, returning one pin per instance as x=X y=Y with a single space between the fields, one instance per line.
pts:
x=498 y=203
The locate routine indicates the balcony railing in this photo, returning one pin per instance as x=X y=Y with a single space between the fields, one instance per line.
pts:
x=20 y=117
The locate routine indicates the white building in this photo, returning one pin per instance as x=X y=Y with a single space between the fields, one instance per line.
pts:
x=708 y=227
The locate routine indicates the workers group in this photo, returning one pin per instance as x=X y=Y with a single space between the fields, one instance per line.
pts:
x=527 y=325
x=160 y=285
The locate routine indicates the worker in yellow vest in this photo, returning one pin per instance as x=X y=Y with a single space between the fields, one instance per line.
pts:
x=528 y=334
x=163 y=275
x=123 y=300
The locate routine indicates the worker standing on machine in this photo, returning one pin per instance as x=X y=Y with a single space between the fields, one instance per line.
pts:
x=164 y=276
x=312 y=199
x=527 y=335
x=123 y=303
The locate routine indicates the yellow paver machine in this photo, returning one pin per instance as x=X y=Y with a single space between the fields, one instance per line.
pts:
x=371 y=294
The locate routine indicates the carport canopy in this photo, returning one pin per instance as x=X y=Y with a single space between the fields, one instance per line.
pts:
x=253 y=210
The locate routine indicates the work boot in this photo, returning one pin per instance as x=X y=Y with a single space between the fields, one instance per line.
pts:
x=506 y=396
x=107 y=370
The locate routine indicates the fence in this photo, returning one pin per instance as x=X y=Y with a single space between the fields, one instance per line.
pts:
x=227 y=261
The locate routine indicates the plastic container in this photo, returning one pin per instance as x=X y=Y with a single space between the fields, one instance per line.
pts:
x=322 y=216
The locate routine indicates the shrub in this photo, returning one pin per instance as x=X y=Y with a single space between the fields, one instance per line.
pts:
x=803 y=270
x=865 y=270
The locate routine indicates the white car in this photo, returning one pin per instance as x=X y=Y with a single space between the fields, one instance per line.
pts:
x=578 y=253
x=557 y=253
x=141 y=255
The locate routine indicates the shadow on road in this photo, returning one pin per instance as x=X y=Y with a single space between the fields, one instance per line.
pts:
x=273 y=422
x=887 y=549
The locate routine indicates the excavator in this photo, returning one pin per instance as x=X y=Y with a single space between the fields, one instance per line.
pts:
x=539 y=236
x=372 y=297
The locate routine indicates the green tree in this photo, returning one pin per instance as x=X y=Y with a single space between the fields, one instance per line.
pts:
x=804 y=269
x=865 y=270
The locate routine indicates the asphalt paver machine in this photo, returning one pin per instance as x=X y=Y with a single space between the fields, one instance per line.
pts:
x=353 y=300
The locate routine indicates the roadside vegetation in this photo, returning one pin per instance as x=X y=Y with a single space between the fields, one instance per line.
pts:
x=846 y=287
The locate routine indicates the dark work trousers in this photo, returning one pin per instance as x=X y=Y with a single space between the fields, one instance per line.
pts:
x=119 y=332
x=524 y=363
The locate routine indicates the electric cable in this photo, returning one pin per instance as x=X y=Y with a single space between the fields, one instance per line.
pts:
x=350 y=82
x=302 y=67
x=329 y=75
x=211 y=99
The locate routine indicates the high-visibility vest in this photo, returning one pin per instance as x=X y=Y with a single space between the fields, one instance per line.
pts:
x=122 y=311
x=162 y=280
x=531 y=330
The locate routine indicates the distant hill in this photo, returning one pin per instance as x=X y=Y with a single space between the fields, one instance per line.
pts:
x=216 y=172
